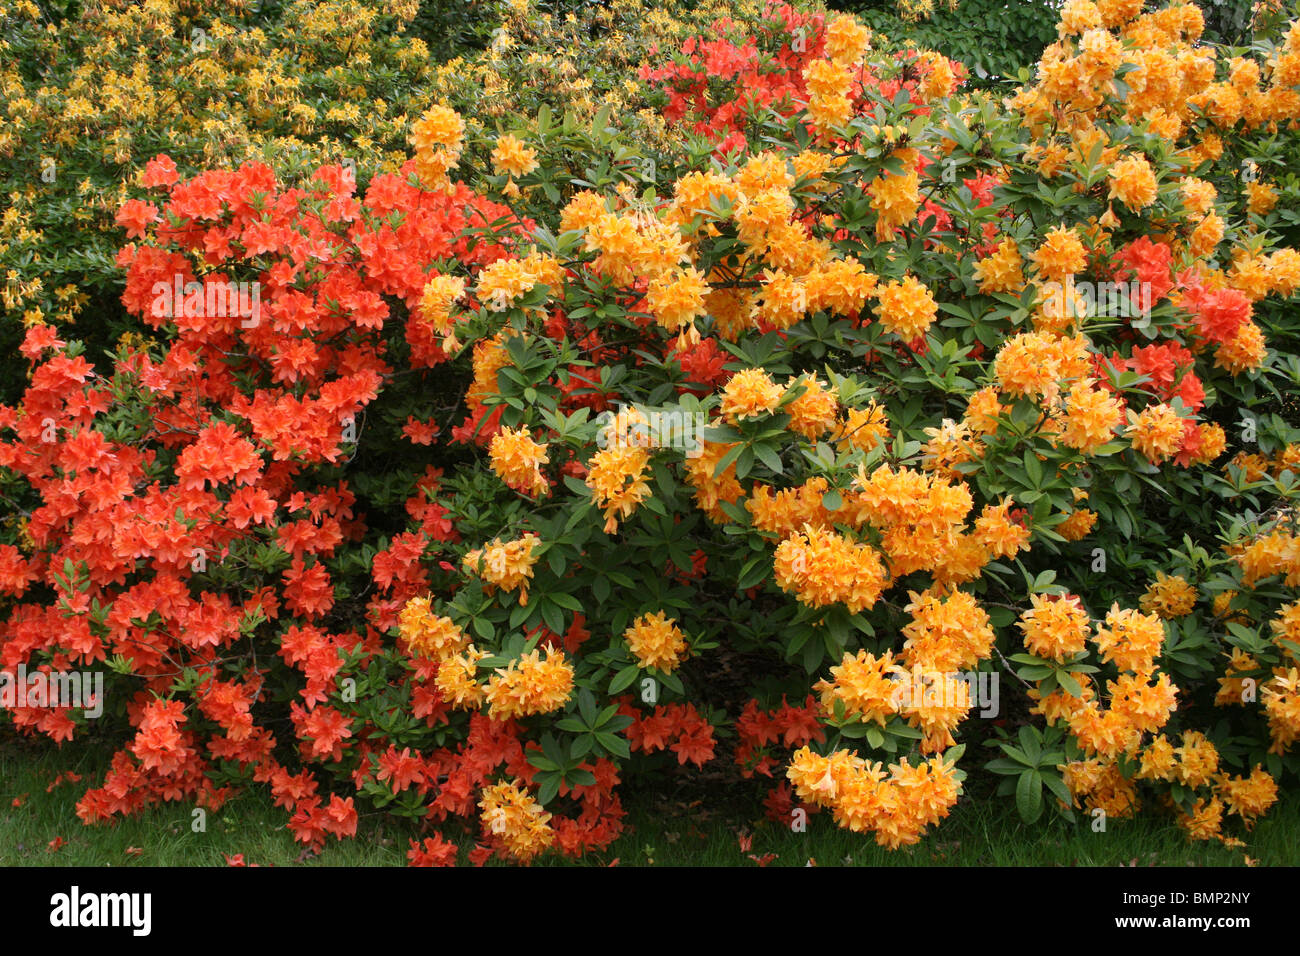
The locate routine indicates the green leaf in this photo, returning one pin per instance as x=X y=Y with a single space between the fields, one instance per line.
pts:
x=1029 y=796
x=624 y=678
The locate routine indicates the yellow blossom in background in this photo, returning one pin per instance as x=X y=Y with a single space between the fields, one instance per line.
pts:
x=1169 y=596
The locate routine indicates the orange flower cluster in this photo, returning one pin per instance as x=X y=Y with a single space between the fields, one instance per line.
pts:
x=518 y=460
x=507 y=565
x=656 y=641
x=896 y=807
x=530 y=685
x=513 y=817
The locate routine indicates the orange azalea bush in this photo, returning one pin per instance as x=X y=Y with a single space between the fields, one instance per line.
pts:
x=892 y=393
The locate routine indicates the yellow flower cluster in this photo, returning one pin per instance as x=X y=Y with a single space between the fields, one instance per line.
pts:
x=511 y=157
x=428 y=634
x=617 y=475
x=530 y=685
x=1156 y=431
x=512 y=816
x=896 y=807
x=1169 y=596
x=438 y=137
x=947 y=632
x=656 y=641
x=518 y=460
x=506 y=565
x=457 y=679
x=1102 y=786
x=440 y=293
x=821 y=567
x=1055 y=628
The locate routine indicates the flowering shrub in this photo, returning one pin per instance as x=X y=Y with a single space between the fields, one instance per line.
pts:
x=903 y=389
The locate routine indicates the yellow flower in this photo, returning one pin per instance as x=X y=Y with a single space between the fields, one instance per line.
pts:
x=846 y=39
x=1248 y=797
x=518 y=460
x=895 y=199
x=456 y=679
x=439 y=294
x=507 y=566
x=512 y=157
x=1130 y=640
x=429 y=635
x=867 y=686
x=1244 y=351
x=820 y=567
x=513 y=817
x=1001 y=271
x=1133 y=182
x=676 y=298
x=814 y=411
x=862 y=428
x=504 y=281
x=617 y=479
x=1054 y=628
x=1091 y=417
x=1060 y=255
x=656 y=641
x=1156 y=432
x=906 y=308
x=530 y=685
x=945 y=633
x=1169 y=596
x=1204 y=820
x=748 y=394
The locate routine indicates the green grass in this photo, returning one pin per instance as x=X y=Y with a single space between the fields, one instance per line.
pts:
x=664 y=831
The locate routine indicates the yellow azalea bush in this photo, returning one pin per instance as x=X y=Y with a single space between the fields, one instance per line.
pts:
x=960 y=375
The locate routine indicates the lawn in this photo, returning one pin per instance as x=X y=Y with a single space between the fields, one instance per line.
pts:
x=663 y=831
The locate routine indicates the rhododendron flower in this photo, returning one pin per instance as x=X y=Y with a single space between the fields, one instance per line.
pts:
x=530 y=685
x=748 y=394
x=518 y=460
x=512 y=157
x=906 y=308
x=656 y=641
